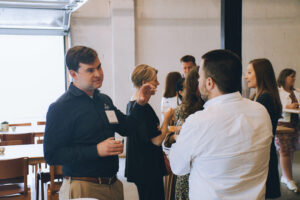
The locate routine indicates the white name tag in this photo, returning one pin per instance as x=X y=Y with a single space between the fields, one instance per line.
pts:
x=111 y=116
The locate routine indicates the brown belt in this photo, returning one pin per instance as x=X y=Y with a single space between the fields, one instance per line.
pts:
x=107 y=181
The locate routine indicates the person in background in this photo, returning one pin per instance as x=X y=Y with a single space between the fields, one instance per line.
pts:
x=179 y=88
x=260 y=75
x=145 y=165
x=187 y=63
x=170 y=96
x=224 y=147
x=80 y=129
x=286 y=143
x=191 y=103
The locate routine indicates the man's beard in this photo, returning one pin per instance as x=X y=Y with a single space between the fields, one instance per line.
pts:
x=204 y=94
x=204 y=97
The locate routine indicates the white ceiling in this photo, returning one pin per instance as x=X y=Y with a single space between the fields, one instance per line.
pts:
x=24 y=15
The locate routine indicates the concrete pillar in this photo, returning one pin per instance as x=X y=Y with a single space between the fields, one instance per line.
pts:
x=123 y=50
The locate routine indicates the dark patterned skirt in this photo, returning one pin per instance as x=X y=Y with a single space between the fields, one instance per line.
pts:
x=182 y=187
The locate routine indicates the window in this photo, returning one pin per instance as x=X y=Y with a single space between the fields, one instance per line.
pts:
x=32 y=75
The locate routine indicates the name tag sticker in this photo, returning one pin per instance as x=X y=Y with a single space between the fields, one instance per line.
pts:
x=111 y=116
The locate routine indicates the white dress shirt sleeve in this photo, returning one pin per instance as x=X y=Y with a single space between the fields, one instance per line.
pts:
x=181 y=153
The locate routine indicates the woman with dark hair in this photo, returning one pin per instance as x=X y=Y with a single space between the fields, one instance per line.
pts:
x=261 y=76
x=170 y=96
x=145 y=165
x=191 y=102
x=286 y=143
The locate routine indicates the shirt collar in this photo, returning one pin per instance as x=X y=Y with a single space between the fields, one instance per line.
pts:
x=78 y=92
x=222 y=99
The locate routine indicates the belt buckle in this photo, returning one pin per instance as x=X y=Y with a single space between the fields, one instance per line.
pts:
x=99 y=180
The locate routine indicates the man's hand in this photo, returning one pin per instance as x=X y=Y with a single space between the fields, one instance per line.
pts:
x=110 y=147
x=145 y=93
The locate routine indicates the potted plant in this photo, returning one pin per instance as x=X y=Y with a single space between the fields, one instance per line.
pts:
x=4 y=126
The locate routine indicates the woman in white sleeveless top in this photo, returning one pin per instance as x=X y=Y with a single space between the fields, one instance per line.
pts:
x=290 y=99
x=170 y=96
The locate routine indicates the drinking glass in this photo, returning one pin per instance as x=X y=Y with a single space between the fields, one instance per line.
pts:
x=178 y=126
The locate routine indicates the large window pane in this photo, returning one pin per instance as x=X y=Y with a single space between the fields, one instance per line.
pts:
x=32 y=75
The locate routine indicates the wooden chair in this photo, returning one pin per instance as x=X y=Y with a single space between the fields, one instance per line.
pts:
x=41 y=123
x=20 y=124
x=40 y=141
x=56 y=179
x=13 y=179
x=39 y=137
x=11 y=142
x=43 y=178
x=26 y=138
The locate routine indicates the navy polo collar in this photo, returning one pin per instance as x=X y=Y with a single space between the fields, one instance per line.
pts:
x=78 y=92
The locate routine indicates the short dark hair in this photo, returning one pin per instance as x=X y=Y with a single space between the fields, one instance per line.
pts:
x=282 y=76
x=170 y=85
x=225 y=68
x=80 y=54
x=188 y=58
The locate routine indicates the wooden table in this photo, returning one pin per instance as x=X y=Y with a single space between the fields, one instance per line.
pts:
x=34 y=152
x=37 y=131
x=25 y=129
x=296 y=111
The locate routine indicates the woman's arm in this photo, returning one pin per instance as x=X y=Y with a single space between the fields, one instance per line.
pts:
x=164 y=128
x=292 y=106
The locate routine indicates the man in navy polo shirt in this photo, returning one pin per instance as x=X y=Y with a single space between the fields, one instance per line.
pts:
x=80 y=129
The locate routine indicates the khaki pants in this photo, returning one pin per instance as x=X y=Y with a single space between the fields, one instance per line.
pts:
x=72 y=189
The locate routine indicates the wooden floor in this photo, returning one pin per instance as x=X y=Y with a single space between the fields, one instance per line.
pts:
x=130 y=190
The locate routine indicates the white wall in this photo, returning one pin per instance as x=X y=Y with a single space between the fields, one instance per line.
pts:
x=271 y=29
x=91 y=26
x=165 y=30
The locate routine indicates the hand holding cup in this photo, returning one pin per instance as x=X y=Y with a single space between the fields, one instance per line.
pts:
x=110 y=147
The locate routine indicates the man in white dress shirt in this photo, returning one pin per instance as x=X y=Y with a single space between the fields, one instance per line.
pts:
x=226 y=146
